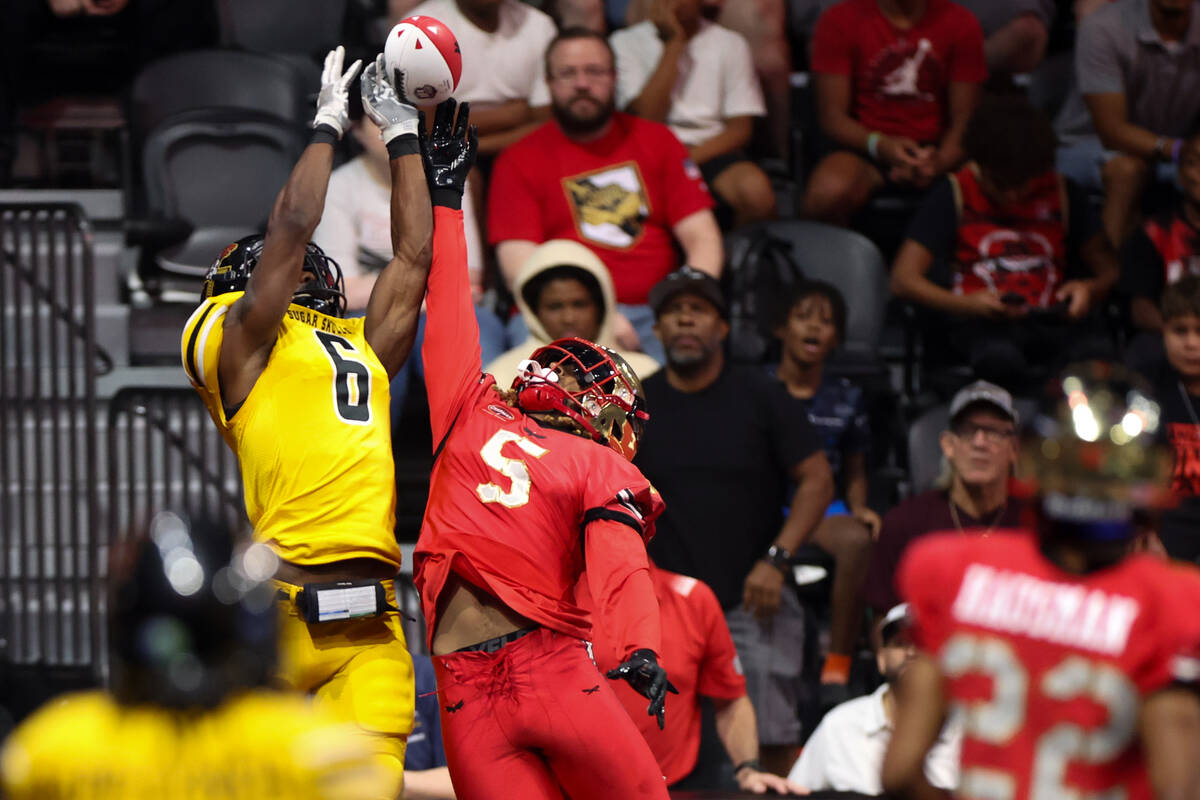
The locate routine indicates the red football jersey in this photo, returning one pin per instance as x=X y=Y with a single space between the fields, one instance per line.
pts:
x=1049 y=667
x=899 y=78
x=515 y=507
x=699 y=656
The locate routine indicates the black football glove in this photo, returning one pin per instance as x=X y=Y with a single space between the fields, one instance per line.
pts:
x=449 y=153
x=648 y=679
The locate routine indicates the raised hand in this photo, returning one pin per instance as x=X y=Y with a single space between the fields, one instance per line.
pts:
x=385 y=106
x=333 y=103
x=449 y=153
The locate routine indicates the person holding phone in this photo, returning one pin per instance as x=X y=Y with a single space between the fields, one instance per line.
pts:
x=1028 y=261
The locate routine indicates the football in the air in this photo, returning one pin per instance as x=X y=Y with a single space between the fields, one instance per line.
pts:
x=426 y=54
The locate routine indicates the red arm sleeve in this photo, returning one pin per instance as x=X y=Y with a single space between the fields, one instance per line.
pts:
x=924 y=578
x=451 y=350
x=618 y=577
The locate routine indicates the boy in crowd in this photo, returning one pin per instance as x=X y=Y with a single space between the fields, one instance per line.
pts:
x=811 y=324
x=564 y=290
x=1177 y=387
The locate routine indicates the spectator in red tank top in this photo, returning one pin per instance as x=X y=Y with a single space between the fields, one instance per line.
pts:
x=896 y=81
x=1010 y=229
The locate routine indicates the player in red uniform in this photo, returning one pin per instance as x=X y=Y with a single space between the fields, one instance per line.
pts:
x=524 y=494
x=1074 y=662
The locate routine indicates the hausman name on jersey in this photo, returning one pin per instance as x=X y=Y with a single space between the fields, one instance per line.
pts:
x=1049 y=667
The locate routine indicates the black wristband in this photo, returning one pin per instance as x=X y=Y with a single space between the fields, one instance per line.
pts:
x=752 y=763
x=779 y=558
x=404 y=145
x=447 y=198
x=325 y=134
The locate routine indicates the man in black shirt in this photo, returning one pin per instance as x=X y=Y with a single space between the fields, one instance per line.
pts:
x=725 y=444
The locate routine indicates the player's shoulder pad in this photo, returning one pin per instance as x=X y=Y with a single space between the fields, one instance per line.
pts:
x=201 y=334
x=926 y=560
x=62 y=721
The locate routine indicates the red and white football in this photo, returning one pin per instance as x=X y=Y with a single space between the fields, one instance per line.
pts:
x=427 y=55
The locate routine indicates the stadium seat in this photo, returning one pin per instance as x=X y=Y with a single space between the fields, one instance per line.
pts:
x=220 y=170
x=219 y=79
x=219 y=131
x=849 y=261
x=282 y=26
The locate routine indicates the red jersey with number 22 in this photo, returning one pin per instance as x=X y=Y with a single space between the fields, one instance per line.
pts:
x=514 y=507
x=1050 y=668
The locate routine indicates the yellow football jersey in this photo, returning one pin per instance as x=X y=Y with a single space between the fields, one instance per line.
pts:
x=258 y=745
x=313 y=437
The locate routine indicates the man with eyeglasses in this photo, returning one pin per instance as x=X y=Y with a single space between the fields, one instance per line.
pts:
x=623 y=186
x=971 y=496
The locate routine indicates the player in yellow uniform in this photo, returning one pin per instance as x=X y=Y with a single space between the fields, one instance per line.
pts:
x=300 y=393
x=192 y=633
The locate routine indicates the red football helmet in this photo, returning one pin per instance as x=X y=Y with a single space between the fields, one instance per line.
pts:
x=591 y=385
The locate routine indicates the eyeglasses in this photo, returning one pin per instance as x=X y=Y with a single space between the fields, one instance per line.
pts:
x=967 y=431
x=592 y=72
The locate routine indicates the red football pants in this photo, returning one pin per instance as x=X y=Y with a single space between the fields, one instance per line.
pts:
x=537 y=719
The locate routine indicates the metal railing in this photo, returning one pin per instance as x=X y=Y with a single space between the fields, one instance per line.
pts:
x=164 y=452
x=49 y=361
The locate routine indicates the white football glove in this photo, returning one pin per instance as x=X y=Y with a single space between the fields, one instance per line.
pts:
x=384 y=106
x=333 y=103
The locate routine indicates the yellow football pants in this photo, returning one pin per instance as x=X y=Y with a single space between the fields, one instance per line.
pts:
x=357 y=670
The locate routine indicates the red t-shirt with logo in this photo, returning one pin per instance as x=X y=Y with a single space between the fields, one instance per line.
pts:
x=1051 y=668
x=700 y=659
x=899 y=78
x=619 y=195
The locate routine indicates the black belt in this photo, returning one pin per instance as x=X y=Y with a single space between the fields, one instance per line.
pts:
x=492 y=645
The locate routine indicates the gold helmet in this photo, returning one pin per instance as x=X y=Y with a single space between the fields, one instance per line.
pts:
x=1094 y=455
x=604 y=399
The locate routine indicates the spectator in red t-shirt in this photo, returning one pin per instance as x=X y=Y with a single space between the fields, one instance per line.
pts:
x=697 y=645
x=623 y=186
x=896 y=82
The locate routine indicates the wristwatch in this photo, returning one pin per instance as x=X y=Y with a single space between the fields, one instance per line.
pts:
x=779 y=558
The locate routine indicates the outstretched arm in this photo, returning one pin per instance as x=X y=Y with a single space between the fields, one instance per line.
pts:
x=451 y=350
x=1170 y=730
x=395 y=304
x=252 y=322
x=920 y=714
